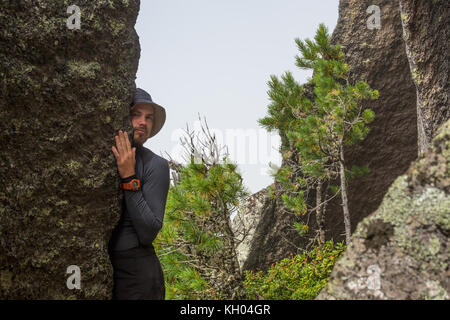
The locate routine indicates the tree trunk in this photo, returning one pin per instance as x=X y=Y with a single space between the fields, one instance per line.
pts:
x=344 y=196
x=319 y=212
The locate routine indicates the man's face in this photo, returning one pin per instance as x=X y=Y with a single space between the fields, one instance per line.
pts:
x=142 y=116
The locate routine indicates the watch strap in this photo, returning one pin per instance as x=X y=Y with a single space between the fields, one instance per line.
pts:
x=128 y=179
x=126 y=183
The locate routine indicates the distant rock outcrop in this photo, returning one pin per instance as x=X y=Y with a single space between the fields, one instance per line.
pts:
x=401 y=251
x=250 y=232
x=67 y=78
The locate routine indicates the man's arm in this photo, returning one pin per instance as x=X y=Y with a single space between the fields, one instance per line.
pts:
x=146 y=206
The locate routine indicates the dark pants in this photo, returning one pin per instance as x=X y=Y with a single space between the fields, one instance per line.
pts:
x=137 y=275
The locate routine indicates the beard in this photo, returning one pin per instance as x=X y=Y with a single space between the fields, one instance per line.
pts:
x=139 y=140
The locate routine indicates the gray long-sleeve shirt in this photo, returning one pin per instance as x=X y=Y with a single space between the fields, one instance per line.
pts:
x=143 y=210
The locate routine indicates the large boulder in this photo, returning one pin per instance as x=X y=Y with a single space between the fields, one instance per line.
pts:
x=401 y=251
x=65 y=92
x=426 y=32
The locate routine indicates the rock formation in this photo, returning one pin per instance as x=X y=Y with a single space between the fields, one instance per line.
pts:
x=67 y=78
x=247 y=229
x=426 y=34
x=377 y=56
x=401 y=251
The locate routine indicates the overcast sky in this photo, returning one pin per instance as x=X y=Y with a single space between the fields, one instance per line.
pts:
x=214 y=58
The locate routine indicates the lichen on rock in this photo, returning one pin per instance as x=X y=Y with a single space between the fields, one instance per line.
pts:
x=58 y=205
x=413 y=222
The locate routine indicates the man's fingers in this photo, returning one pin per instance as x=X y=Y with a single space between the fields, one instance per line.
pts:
x=119 y=144
x=123 y=141
x=125 y=155
x=127 y=142
x=116 y=154
x=123 y=144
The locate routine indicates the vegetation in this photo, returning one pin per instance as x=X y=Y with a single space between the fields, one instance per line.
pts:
x=297 y=278
x=197 y=245
x=316 y=121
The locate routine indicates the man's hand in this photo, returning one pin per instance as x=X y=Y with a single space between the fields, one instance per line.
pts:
x=125 y=155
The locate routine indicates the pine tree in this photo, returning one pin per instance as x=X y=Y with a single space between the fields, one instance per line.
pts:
x=197 y=244
x=318 y=129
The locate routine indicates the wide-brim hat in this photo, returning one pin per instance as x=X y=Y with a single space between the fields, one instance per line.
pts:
x=159 y=118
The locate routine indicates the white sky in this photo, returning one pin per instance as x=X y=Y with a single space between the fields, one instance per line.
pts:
x=214 y=58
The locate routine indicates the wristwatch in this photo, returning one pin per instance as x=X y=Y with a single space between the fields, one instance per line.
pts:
x=131 y=183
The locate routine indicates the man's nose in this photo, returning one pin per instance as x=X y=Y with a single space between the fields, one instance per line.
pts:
x=141 y=121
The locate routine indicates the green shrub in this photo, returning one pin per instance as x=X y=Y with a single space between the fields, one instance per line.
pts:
x=298 y=278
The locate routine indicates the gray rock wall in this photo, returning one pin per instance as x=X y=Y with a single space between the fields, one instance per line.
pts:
x=378 y=56
x=401 y=251
x=64 y=95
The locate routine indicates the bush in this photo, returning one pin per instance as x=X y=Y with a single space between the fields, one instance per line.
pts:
x=298 y=278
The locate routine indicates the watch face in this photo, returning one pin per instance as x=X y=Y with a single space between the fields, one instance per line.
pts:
x=135 y=185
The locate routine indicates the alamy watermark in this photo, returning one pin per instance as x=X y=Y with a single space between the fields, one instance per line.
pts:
x=245 y=146
x=372 y=282
x=74 y=21
x=74 y=281
x=374 y=20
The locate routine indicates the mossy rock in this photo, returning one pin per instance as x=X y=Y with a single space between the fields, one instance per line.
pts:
x=65 y=94
x=406 y=240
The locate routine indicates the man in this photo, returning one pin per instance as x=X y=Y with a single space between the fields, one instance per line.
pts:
x=145 y=181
